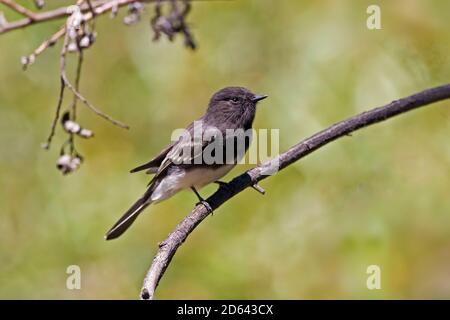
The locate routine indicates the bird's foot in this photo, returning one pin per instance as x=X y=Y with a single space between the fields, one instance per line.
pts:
x=202 y=201
x=206 y=205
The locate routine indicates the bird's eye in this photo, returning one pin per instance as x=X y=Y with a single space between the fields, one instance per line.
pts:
x=235 y=99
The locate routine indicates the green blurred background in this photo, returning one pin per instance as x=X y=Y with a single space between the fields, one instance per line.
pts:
x=379 y=197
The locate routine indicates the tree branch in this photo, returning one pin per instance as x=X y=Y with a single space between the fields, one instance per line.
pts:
x=18 y=8
x=169 y=246
x=78 y=34
x=30 y=59
x=99 y=7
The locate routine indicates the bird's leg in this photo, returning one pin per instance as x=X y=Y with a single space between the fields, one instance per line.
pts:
x=197 y=194
x=202 y=201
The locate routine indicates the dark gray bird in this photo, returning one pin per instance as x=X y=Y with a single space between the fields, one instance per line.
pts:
x=187 y=163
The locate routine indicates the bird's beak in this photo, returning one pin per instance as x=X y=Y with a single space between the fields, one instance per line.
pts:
x=257 y=98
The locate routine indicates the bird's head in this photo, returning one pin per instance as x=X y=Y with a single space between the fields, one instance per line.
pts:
x=233 y=104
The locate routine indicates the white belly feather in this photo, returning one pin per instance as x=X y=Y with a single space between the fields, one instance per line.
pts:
x=197 y=178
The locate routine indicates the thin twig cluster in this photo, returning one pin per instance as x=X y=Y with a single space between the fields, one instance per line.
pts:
x=172 y=23
x=77 y=35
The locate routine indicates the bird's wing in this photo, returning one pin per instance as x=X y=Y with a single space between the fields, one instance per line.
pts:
x=161 y=160
x=153 y=165
x=185 y=151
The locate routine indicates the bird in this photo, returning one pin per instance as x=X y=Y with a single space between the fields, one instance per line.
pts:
x=186 y=162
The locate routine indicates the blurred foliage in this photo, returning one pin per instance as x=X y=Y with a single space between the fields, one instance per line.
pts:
x=378 y=197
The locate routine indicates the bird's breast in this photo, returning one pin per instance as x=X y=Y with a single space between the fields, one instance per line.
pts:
x=185 y=178
x=200 y=177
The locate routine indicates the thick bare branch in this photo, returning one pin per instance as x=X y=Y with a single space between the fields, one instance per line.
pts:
x=169 y=246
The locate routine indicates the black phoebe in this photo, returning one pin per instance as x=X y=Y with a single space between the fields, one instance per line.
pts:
x=185 y=163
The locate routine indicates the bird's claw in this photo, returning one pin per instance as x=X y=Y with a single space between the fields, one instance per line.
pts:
x=206 y=205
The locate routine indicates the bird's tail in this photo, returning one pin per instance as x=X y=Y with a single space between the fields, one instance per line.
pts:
x=128 y=218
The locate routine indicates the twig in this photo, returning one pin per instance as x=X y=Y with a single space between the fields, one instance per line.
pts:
x=91 y=8
x=78 y=36
x=73 y=106
x=75 y=91
x=77 y=96
x=77 y=84
x=18 y=8
x=100 y=7
x=39 y=4
x=169 y=246
x=48 y=142
x=91 y=106
x=258 y=188
x=29 y=60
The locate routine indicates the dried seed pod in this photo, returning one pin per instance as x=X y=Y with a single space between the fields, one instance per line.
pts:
x=173 y=23
x=134 y=13
x=39 y=4
x=75 y=20
x=75 y=163
x=26 y=61
x=64 y=163
x=72 y=47
x=68 y=164
x=85 y=133
x=136 y=7
x=71 y=126
x=87 y=40
x=131 y=19
x=64 y=160
x=74 y=128
x=163 y=25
